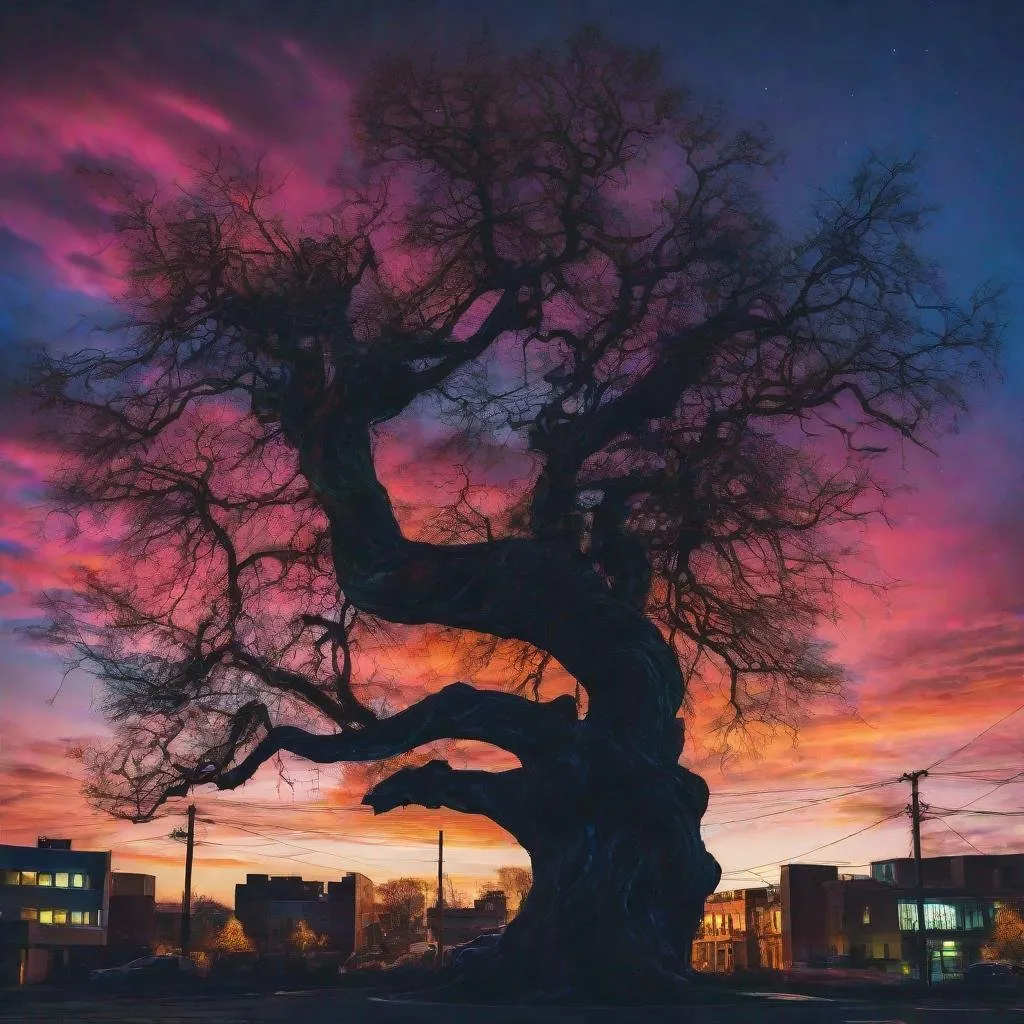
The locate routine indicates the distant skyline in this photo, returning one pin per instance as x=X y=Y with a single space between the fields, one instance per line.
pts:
x=937 y=662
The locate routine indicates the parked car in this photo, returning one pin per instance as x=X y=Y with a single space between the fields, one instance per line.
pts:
x=368 y=960
x=994 y=976
x=475 y=950
x=152 y=972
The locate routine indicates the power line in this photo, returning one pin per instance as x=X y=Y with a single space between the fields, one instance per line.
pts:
x=800 y=807
x=295 y=846
x=796 y=789
x=978 y=737
x=996 y=814
x=824 y=846
x=954 y=831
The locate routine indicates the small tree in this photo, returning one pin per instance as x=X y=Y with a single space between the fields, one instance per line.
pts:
x=303 y=938
x=1007 y=942
x=515 y=883
x=232 y=938
x=402 y=903
x=208 y=920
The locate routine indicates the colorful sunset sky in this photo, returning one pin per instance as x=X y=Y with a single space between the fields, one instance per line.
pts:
x=935 y=662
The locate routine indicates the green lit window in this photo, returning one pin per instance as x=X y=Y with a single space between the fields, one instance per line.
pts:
x=61 y=879
x=29 y=914
x=78 y=881
x=45 y=878
x=76 y=917
x=46 y=917
x=60 y=917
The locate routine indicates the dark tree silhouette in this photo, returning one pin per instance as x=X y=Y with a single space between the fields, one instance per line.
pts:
x=566 y=261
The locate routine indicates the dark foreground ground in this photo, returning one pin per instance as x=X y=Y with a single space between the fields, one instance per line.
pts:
x=358 y=1007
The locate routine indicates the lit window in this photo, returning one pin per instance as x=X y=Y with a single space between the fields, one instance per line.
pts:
x=45 y=878
x=866 y=916
x=29 y=914
x=78 y=881
x=61 y=880
x=11 y=877
x=28 y=878
x=76 y=917
x=60 y=917
x=46 y=917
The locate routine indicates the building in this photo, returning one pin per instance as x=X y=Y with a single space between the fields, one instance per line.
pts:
x=871 y=921
x=804 y=933
x=167 y=915
x=962 y=896
x=53 y=910
x=460 y=924
x=270 y=908
x=768 y=928
x=732 y=934
x=863 y=924
x=131 y=924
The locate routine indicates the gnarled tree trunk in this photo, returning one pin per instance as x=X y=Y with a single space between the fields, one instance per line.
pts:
x=609 y=817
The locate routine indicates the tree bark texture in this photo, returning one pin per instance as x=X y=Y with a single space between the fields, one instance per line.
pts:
x=610 y=819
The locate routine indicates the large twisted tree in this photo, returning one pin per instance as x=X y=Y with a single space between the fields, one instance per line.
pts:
x=567 y=263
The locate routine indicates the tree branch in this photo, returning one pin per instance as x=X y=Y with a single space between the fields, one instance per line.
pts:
x=459 y=711
x=500 y=796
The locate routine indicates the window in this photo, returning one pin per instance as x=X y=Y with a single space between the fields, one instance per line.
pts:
x=61 y=880
x=28 y=878
x=45 y=878
x=10 y=877
x=974 y=917
x=29 y=914
x=78 y=881
x=60 y=917
x=885 y=950
x=940 y=917
x=865 y=917
x=76 y=917
x=46 y=917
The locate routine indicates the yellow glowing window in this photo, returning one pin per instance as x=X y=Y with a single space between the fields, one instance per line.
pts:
x=11 y=877
x=61 y=879
x=866 y=916
x=60 y=917
x=46 y=917
x=29 y=914
x=76 y=917
x=28 y=878
x=78 y=881
x=45 y=878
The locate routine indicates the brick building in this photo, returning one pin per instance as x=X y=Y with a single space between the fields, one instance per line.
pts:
x=871 y=921
x=735 y=932
x=804 y=932
x=270 y=908
x=131 y=925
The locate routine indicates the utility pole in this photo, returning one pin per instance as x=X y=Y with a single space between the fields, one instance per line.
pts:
x=924 y=974
x=186 y=902
x=440 y=901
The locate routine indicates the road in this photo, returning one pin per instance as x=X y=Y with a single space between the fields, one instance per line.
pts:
x=331 y=1007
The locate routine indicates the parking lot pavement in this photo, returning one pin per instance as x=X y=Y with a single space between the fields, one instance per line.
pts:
x=332 y=1006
